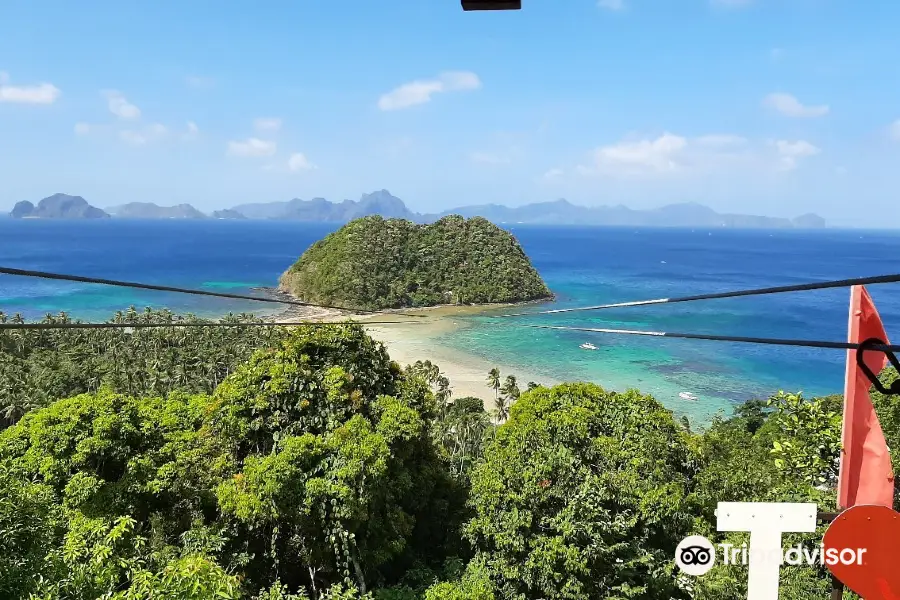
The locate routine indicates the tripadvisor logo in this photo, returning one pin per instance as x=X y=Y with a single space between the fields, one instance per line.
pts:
x=696 y=555
x=764 y=555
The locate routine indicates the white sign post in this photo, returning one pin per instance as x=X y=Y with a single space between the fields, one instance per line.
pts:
x=766 y=522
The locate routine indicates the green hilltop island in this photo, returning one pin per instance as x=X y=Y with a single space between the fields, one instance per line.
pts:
x=374 y=263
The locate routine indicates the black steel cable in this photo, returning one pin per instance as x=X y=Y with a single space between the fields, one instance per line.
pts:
x=724 y=338
x=837 y=283
x=737 y=293
x=13 y=326
x=669 y=334
x=166 y=288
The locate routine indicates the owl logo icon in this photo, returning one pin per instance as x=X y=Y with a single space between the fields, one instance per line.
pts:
x=695 y=555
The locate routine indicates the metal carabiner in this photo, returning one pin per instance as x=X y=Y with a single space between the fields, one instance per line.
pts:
x=894 y=389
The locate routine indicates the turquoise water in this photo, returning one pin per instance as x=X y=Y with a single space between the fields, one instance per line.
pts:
x=581 y=265
x=595 y=266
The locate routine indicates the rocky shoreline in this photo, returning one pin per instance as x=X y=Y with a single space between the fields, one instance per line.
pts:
x=296 y=312
x=318 y=313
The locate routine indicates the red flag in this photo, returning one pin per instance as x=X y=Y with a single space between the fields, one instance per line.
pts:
x=866 y=476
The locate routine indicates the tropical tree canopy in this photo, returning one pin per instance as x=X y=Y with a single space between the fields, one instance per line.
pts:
x=374 y=263
x=314 y=454
x=309 y=466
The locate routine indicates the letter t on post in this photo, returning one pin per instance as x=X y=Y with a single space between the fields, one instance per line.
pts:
x=765 y=521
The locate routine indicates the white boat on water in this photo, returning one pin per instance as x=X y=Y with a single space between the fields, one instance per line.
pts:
x=687 y=396
x=587 y=346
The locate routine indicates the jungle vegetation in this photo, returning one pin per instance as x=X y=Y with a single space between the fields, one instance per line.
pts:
x=275 y=464
x=375 y=263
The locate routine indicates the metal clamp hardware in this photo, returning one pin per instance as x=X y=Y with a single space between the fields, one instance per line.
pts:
x=870 y=345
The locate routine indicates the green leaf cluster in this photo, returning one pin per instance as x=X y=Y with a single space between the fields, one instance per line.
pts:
x=40 y=366
x=313 y=467
x=376 y=263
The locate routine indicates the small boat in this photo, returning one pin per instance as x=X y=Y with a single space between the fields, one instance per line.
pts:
x=587 y=346
x=687 y=396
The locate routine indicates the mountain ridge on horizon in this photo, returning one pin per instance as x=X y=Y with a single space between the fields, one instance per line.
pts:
x=383 y=203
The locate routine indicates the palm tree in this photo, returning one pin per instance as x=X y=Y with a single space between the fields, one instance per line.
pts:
x=493 y=381
x=501 y=408
x=444 y=392
x=510 y=388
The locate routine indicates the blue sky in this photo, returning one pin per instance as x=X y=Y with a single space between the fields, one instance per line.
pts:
x=774 y=107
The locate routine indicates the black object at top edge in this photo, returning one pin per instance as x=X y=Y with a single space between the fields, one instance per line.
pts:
x=491 y=4
x=894 y=389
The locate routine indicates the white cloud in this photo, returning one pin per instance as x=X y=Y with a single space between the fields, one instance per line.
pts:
x=144 y=135
x=121 y=107
x=421 y=91
x=41 y=93
x=191 y=131
x=82 y=128
x=657 y=155
x=299 y=162
x=552 y=174
x=671 y=155
x=611 y=4
x=489 y=159
x=718 y=140
x=789 y=106
x=254 y=147
x=791 y=152
x=197 y=82
x=396 y=147
x=894 y=130
x=267 y=124
x=132 y=137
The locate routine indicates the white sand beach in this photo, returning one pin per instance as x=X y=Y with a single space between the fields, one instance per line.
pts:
x=407 y=342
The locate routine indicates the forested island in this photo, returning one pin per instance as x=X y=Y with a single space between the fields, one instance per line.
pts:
x=385 y=204
x=374 y=263
x=249 y=463
x=57 y=206
x=149 y=210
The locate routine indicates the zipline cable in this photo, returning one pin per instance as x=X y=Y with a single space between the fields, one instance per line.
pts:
x=20 y=326
x=655 y=334
x=724 y=338
x=837 y=283
x=166 y=288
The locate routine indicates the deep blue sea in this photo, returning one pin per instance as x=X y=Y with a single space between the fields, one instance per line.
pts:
x=581 y=265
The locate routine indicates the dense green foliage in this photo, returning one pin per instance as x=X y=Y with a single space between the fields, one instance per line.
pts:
x=374 y=263
x=310 y=466
x=39 y=366
x=582 y=495
x=315 y=468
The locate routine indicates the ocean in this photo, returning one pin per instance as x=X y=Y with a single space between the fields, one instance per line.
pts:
x=582 y=265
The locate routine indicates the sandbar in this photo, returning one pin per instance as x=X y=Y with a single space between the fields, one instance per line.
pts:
x=412 y=338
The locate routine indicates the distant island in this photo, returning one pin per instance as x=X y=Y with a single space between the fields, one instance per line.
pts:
x=688 y=214
x=374 y=263
x=57 y=206
x=148 y=210
x=384 y=204
x=227 y=214
x=320 y=210
x=560 y=212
